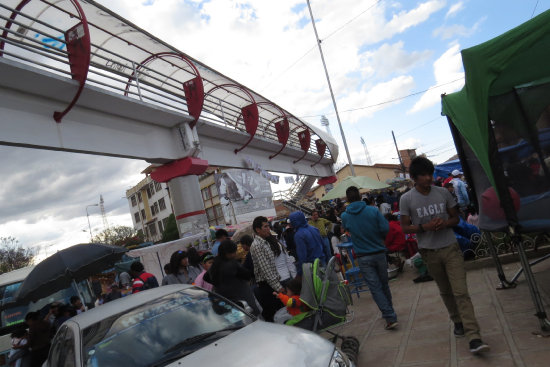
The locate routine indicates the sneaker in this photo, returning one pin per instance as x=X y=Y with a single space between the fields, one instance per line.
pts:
x=459 y=330
x=423 y=278
x=391 y=325
x=477 y=346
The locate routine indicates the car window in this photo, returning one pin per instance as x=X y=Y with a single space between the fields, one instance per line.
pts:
x=66 y=355
x=171 y=324
x=62 y=352
x=57 y=346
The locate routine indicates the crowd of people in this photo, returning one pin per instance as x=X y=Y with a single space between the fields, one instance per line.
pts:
x=31 y=340
x=263 y=272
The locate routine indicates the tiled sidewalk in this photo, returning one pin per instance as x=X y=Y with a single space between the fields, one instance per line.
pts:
x=425 y=336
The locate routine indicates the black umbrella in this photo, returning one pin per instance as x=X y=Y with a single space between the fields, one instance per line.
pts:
x=70 y=265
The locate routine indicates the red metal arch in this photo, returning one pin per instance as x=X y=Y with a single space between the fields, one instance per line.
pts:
x=78 y=44
x=282 y=126
x=193 y=88
x=9 y=23
x=304 y=137
x=249 y=113
x=321 y=148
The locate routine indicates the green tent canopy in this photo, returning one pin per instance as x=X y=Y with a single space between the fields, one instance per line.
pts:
x=505 y=66
x=500 y=122
x=361 y=182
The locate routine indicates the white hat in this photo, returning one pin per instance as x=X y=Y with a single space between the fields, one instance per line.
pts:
x=456 y=173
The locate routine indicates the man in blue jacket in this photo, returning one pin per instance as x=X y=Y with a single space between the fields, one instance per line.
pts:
x=308 y=240
x=368 y=229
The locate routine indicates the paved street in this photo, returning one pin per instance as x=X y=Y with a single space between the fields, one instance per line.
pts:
x=424 y=336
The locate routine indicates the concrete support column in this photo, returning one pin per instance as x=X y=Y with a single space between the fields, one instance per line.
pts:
x=183 y=183
x=188 y=205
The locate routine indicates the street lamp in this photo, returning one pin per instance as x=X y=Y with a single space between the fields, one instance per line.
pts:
x=88 y=216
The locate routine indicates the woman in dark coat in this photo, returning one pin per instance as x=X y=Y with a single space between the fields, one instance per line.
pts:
x=229 y=278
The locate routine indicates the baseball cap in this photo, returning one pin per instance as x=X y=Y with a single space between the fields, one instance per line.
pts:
x=456 y=172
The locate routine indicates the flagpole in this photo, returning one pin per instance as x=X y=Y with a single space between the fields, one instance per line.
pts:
x=330 y=88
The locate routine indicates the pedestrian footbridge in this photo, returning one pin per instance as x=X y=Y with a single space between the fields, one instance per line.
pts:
x=76 y=77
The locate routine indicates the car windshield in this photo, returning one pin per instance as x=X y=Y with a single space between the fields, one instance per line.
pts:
x=161 y=330
x=16 y=315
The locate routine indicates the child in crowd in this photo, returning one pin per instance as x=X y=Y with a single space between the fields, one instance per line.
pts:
x=19 y=339
x=292 y=297
x=206 y=260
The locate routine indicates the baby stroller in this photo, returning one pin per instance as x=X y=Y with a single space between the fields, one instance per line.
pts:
x=328 y=298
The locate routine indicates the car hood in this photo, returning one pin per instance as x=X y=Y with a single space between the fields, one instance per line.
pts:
x=264 y=344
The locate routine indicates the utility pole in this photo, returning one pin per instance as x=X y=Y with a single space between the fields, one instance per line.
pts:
x=330 y=88
x=103 y=215
x=398 y=154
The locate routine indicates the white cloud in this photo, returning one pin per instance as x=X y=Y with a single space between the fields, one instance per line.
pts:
x=457 y=30
x=454 y=9
x=382 y=92
x=254 y=42
x=405 y=20
x=447 y=67
x=391 y=58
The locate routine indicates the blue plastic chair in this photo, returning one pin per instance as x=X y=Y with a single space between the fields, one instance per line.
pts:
x=353 y=275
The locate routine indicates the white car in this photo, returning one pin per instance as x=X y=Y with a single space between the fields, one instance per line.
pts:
x=182 y=325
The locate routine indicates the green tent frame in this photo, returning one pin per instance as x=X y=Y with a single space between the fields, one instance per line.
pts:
x=514 y=64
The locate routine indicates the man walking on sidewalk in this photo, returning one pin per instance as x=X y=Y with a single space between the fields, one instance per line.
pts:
x=431 y=213
x=368 y=229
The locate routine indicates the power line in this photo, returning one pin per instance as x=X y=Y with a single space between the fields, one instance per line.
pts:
x=416 y=127
x=535 y=8
x=351 y=20
x=389 y=101
x=439 y=147
x=288 y=68
x=311 y=49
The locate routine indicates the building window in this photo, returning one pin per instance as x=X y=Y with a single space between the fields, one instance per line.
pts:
x=152 y=229
x=154 y=209
x=206 y=193
x=164 y=222
x=210 y=214
x=136 y=217
x=158 y=187
x=213 y=190
x=133 y=199
x=219 y=211
x=143 y=217
x=140 y=199
x=162 y=204
x=161 y=227
x=150 y=190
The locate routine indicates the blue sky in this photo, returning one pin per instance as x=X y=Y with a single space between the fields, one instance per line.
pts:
x=382 y=50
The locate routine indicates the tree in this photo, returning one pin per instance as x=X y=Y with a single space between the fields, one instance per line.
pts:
x=13 y=255
x=119 y=236
x=170 y=233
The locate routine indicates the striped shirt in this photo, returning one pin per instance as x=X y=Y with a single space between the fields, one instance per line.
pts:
x=264 y=263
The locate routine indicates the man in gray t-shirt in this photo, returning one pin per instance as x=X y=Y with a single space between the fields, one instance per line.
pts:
x=431 y=213
x=424 y=208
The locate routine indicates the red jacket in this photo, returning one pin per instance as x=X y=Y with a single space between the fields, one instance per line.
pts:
x=395 y=239
x=144 y=281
